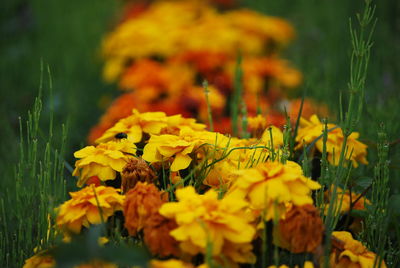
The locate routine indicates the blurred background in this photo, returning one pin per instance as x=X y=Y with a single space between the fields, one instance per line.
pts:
x=66 y=36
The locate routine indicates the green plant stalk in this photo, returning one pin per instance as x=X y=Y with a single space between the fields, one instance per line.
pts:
x=209 y=110
x=361 y=46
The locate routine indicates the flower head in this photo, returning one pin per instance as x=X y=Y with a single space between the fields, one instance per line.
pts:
x=175 y=148
x=301 y=230
x=135 y=125
x=271 y=186
x=204 y=218
x=136 y=170
x=348 y=252
x=40 y=260
x=157 y=235
x=311 y=130
x=141 y=202
x=103 y=161
x=88 y=206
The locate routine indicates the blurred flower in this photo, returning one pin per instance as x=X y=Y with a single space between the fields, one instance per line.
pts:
x=103 y=161
x=257 y=125
x=204 y=218
x=307 y=264
x=40 y=260
x=141 y=202
x=310 y=130
x=300 y=230
x=344 y=200
x=88 y=206
x=134 y=171
x=171 y=263
x=271 y=185
x=157 y=235
x=347 y=252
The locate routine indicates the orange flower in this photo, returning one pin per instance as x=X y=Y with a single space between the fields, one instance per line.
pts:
x=157 y=236
x=40 y=260
x=136 y=170
x=301 y=230
x=141 y=202
x=83 y=207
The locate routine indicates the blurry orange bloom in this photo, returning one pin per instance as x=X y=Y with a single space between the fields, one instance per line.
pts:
x=141 y=202
x=301 y=230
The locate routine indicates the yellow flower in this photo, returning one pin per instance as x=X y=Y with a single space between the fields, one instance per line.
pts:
x=103 y=161
x=171 y=263
x=310 y=130
x=273 y=137
x=165 y=147
x=257 y=125
x=135 y=125
x=83 y=208
x=343 y=198
x=307 y=264
x=270 y=186
x=348 y=252
x=204 y=219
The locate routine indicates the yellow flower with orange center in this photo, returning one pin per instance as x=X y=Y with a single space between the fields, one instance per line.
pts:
x=103 y=161
x=88 y=206
x=135 y=125
x=348 y=252
x=204 y=219
x=311 y=130
x=270 y=186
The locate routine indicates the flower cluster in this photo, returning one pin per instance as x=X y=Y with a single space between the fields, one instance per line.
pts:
x=160 y=58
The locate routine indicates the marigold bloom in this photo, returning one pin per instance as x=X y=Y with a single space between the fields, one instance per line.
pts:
x=257 y=125
x=165 y=147
x=40 y=261
x=171 y=263
x=157 y=236
x=351 y=253
x=271 y=185
x=135 y=125
x=307 y=264
x=83 y=207
x=134 y=171
x=343 y=198
x=141 y=202
x=103 y=161
x=310 y=130
x=301 y=230
x=205 y=218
